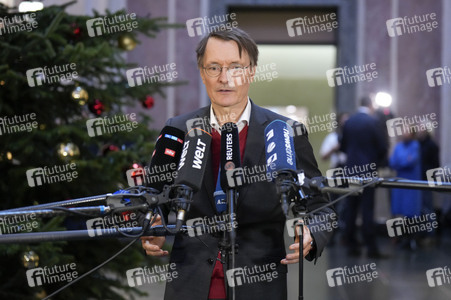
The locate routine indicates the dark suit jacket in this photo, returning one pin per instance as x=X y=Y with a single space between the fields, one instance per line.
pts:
x=363 y=141
x=259 y=215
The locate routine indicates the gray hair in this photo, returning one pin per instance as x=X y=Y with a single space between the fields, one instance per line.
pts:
x=244 y=41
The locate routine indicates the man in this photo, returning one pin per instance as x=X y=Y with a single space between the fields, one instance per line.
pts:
x=430 y=159
x=259 y=214
x=364 y=144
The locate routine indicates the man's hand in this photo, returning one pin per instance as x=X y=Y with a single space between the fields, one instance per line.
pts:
x=152 y=245
x=293 y=258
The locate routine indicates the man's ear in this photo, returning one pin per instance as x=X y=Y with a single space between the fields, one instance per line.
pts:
x=252 y=71
x=202 y=74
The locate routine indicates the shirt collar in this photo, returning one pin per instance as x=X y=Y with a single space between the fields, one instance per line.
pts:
x=364 y=109
x=242 y=122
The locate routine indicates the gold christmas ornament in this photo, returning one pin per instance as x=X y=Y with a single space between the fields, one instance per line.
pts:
x=30 y=259
x=80 y=94
x=68 y=151
x=41 y=294
x=6 y=156
x=126 y=42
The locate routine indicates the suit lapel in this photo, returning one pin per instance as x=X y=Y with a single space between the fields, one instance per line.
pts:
x=255 y=145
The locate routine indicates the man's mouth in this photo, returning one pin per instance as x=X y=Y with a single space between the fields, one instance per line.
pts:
x=224 y=90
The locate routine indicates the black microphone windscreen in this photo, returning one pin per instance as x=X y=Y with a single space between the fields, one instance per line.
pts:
x=163 y=164
x=279 y=146
x=192 y=165
x=230 y=153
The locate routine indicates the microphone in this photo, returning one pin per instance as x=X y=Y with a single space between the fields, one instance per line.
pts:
x=230 y=161
x=161 y=170
x=191 y=169
x=279 y=144
x=167 y=153
x=163 y=164
x=230 y=153
x=281 y=159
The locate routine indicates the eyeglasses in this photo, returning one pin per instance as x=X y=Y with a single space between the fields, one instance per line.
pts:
x=234 y=70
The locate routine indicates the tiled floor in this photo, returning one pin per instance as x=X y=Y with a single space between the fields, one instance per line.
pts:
x=402 y=276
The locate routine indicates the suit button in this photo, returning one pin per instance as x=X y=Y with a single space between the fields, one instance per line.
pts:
x=210 y=261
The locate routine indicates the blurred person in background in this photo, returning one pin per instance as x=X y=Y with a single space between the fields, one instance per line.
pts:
x=406 y=161
x=330 y=148
x=430 y=154
x=364 y=144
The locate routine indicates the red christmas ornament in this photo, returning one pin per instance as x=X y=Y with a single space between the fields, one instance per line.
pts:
x=136 y=165
x=76 y=30
x=109 y=148
x=148 y=103
x=97 y=107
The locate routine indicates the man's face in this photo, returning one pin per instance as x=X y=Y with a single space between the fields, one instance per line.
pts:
x=222 y=93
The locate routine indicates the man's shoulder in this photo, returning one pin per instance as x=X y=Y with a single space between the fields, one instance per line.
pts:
x=201 y=115
x=360 y=117
x=181 y=121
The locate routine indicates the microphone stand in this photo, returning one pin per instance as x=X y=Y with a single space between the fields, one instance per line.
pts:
x=231 y=198
x=135 y=198
x=77 y=235
x=290 y=191
x=183 y=199
x=299 y=210
x=227 y=244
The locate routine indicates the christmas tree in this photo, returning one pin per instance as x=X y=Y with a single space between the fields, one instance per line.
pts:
x=57 y=74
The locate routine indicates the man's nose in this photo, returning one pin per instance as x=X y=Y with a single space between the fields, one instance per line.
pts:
x=223 y=76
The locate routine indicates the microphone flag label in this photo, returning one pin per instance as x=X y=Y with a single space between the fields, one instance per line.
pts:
x=169 y=152
x=279 y=144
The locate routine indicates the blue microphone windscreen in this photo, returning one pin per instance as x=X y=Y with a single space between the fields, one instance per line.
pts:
x=279 y=146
